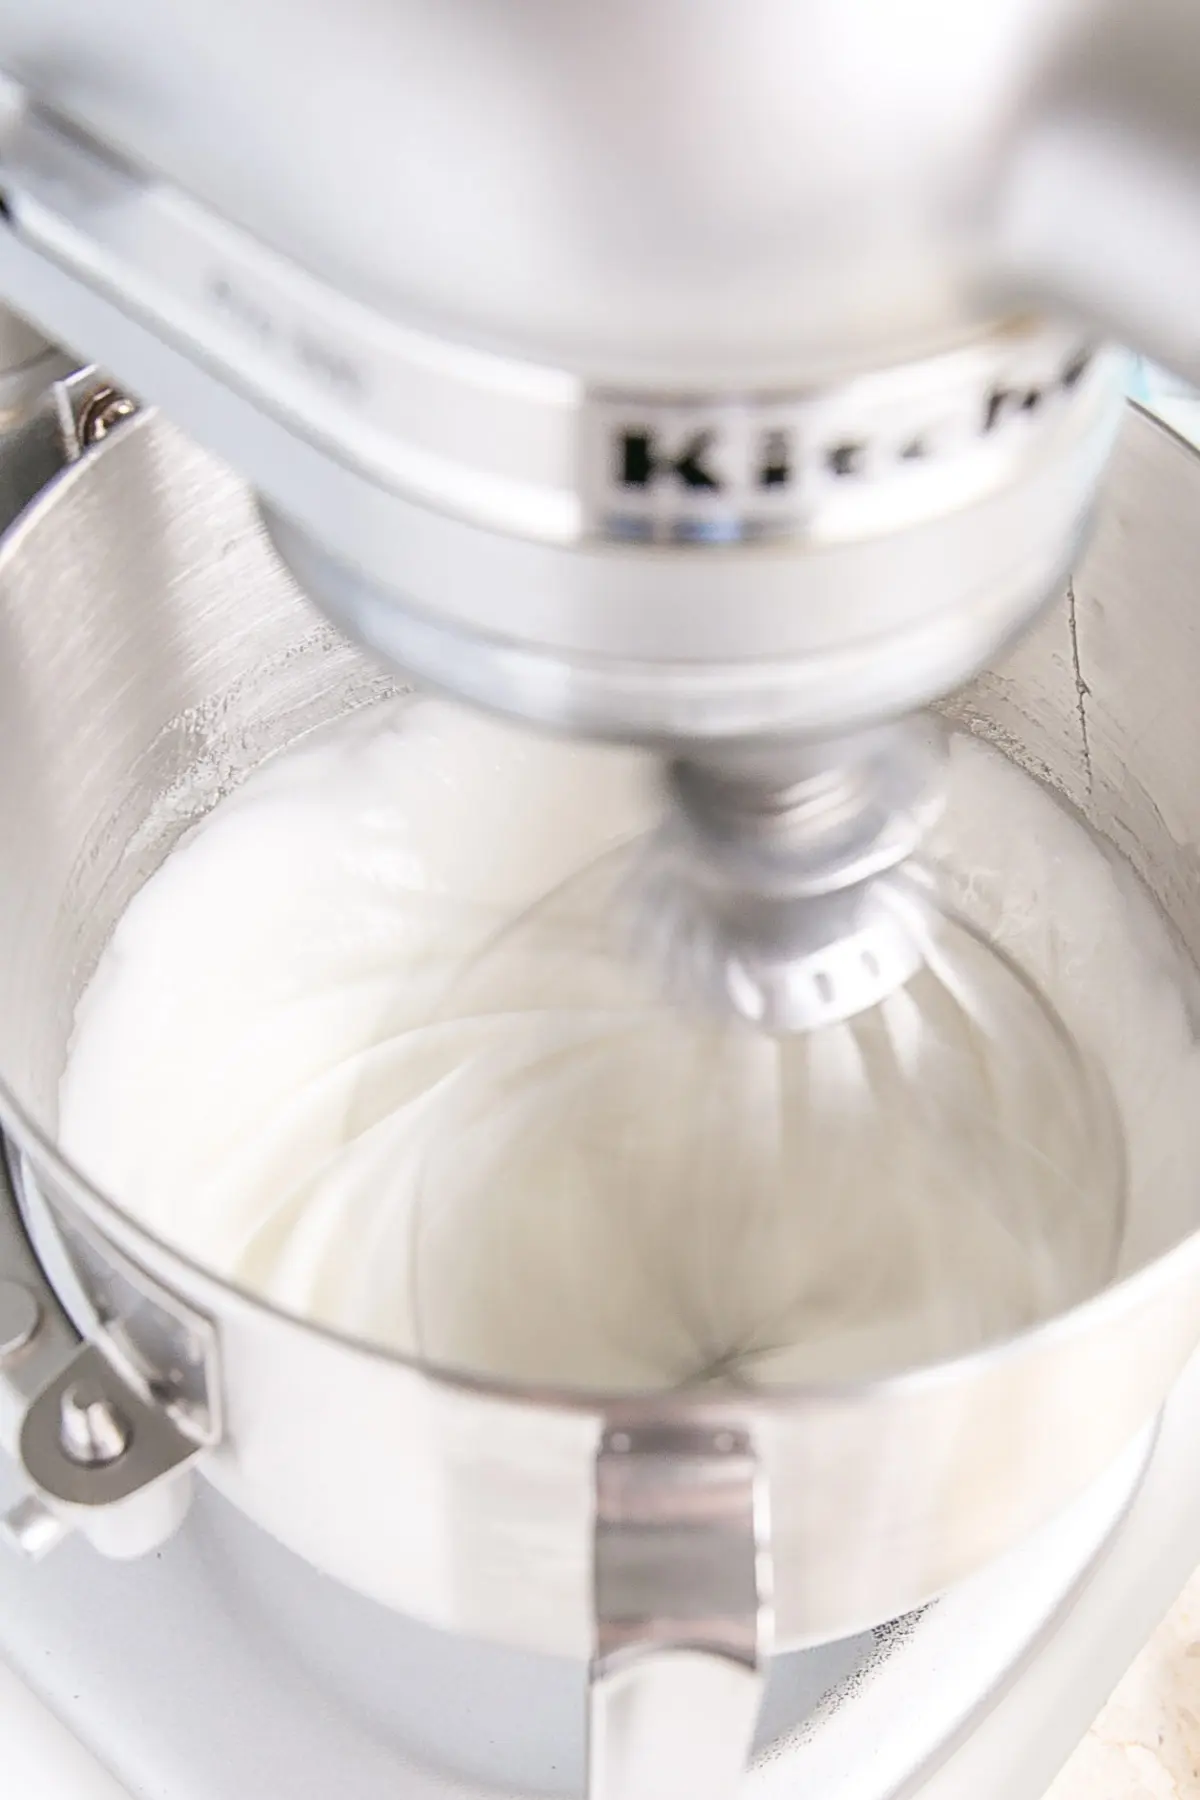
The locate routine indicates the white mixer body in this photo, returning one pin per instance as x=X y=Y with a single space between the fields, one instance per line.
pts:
x=669 y=195
x=423 y=273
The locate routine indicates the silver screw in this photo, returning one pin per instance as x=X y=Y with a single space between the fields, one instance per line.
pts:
x=32 y=1528
x=103 y=411
x=91 y=1430
x=20 y=1316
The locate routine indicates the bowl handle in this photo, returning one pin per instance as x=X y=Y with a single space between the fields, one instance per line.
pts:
x=98 y=1454
x=683 y=1611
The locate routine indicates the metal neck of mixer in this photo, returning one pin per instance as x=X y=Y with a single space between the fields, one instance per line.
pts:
x=777 y=887
x=805 y=820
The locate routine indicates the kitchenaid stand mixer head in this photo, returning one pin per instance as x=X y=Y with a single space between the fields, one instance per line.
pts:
x=759 y=423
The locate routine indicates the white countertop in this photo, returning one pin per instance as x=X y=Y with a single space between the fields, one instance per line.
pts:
x=1146 y=1743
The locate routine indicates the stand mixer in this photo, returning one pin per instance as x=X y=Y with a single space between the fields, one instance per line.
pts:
x=728 y=382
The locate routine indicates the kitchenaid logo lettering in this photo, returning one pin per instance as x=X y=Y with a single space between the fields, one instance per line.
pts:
x=643 y=460
x=1006 y=401
x=838 y=462
x=700 y=460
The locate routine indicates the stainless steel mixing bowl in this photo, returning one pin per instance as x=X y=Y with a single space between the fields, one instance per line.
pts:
x=151 y=650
